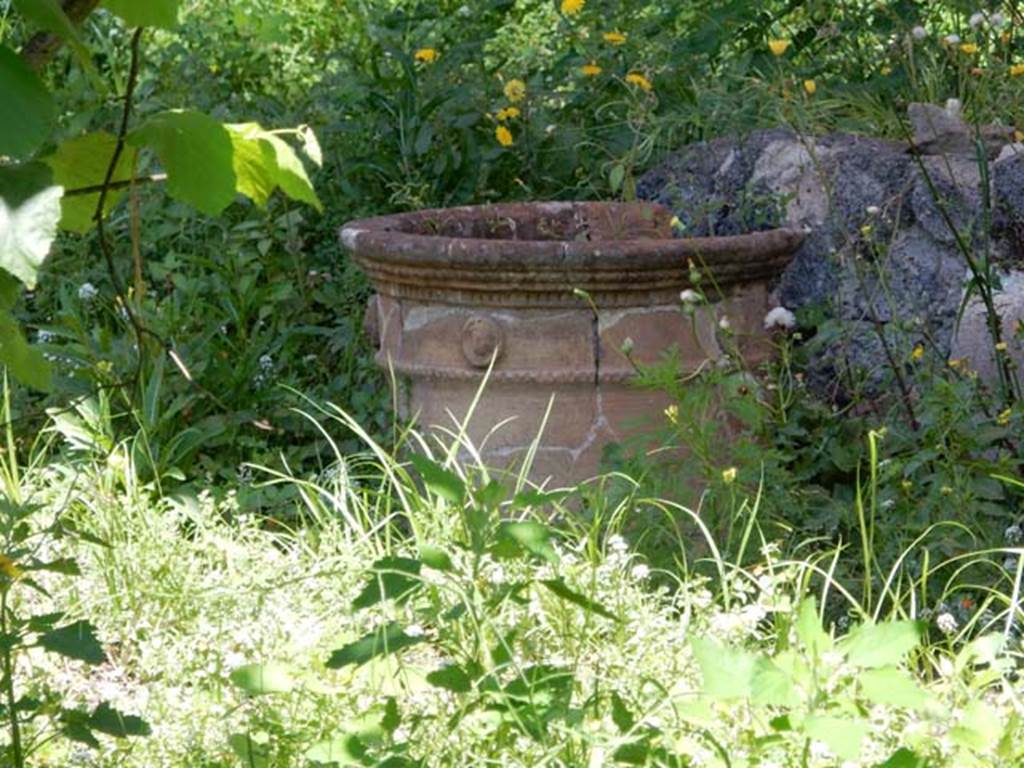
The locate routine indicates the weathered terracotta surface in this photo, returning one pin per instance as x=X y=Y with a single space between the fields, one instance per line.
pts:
x=460 y=287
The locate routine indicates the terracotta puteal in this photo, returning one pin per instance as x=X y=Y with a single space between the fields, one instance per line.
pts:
x=547 y=296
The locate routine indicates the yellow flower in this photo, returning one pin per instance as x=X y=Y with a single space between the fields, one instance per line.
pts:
x=572 y=7
x=1002 y=346
x=672 y=414
x=426 y=55
x=778 y=46
x=811 y=87
x=508 y=113
x=9 y=568
x=1017 y=70
x=969 y=48
x=729 y=475
x=590 y=70
x=1018 y=136
x=515 y=90
x=1003 y=419
x=614 y=38
x=503 y=135
x=885 y=71
x=918 y=352
x=641 y=82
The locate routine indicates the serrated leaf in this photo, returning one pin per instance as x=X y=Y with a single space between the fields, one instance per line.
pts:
x=727 y=672
x=772 y=686
x=980 y=728
x=880 y=645
x=441 y=481
x=29 y=212
x=534 y=537
x=82 y=162
x=75 y=641
x=452 y=678
x=393 y=578
x=264 y=162
x=386 y=640
x=29 y=112
x=889 y=685
x=261 y=679
x=843 y=736
x=197 y=153
x=108 y=720
x=561 y=589
x=145 y=13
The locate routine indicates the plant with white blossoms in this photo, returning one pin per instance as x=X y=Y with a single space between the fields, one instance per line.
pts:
x=780 y=317
x=87 y=292
x=919 y=32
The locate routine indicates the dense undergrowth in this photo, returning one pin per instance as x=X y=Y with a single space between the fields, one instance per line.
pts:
x=205 y=565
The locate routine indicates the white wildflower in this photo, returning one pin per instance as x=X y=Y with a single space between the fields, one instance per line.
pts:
x=780 y=317
x=43 y=337
x=976 y=20
x=689 y=296
x=919 y=32
x=627 y=345
x=997 y=20
x=415 y=630
x=266 y=362
x=873 y=210
x=1010 y=563
x=618 y=544
x=724 y=323
x=952 y=39
x=946 y=623
x=640 y=572
x=953 y=107
x=87 y=292
x=1014 y=534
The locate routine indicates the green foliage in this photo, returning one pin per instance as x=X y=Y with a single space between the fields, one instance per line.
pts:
x=31 y=112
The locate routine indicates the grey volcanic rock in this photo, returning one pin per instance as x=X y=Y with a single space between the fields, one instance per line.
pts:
x=885 y=222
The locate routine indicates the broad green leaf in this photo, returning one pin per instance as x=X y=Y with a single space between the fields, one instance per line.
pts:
x=889 y=685
x=260 y=679
x=29 y=113
x=29 y=212
x=386 y=640
x=264 y=162
x=49 y=16
x=26 y=364
x=347 y=749
x=108 y=720
x=452 y=678
x=808 y=629
x=444 y=483
x=560 y=588
x=727 y=672
x=145 y=13
x=197 y=153
x=534 y=537
x=624 y=719
x=82 y=162
x=841 y=735
x=904 y=758
x=980 y=728
x=772 y=686
x=253 y=752
x=75 y=641
x=435 y=557
x=393 y=578
x=533 y=498
x=881 y=645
